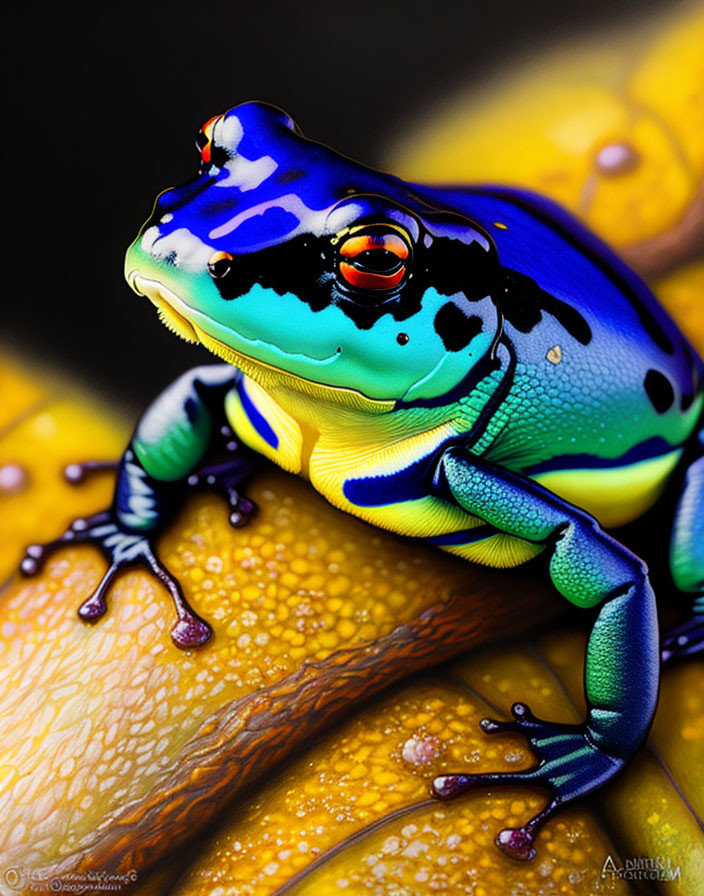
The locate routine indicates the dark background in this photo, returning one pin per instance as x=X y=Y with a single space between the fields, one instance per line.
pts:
x=103 y=106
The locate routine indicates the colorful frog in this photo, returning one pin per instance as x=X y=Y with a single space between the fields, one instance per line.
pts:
x=466 y=366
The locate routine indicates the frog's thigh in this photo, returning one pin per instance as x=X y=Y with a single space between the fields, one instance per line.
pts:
x=687 y=544
x=614 y=495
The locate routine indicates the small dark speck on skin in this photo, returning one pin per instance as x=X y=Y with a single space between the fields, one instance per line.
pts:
x=289 y=176
x=13 y=479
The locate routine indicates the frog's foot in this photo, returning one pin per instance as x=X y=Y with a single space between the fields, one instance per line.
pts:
x=570 y=766
x=224 y=478
x=684 y=640
x=122 y=550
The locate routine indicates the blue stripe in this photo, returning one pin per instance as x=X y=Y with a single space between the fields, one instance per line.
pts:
x=408 y=484
x=256 y=418
x=651 y=448
x=479 y=371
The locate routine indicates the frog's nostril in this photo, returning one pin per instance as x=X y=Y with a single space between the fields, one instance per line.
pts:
x=219 y=265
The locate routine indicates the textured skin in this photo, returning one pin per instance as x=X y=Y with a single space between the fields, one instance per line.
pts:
x=458 y=366
x=538 y=368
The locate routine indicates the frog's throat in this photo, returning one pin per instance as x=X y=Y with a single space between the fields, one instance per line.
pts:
x=174 y=313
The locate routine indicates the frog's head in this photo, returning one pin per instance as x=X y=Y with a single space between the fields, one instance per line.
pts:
x=286 y=258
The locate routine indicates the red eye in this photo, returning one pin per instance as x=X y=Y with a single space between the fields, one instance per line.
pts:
x=376 y=260
x=204 y=139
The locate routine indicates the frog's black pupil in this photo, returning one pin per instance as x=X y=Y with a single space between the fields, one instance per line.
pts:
x=201 y=140
x=220 y=268
x=377 y=261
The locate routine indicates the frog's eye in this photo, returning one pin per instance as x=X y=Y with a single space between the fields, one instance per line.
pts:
x=375 y=260
x=204 y=140
x=219 y=265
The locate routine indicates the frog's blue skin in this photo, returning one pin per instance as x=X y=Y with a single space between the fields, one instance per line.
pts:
x=465 y=366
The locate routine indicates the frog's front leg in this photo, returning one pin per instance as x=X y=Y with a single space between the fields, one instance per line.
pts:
x=224 y=477
x=622 y=664
x=169 y=443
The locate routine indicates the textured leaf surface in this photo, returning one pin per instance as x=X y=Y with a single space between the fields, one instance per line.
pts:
x=352 y=815
x=115 y=744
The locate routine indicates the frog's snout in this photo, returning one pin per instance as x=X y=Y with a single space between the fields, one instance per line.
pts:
x=132 y=277
x=171 y=309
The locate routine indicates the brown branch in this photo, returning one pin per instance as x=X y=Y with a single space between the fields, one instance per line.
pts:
x=662 y=254
x=250 y=737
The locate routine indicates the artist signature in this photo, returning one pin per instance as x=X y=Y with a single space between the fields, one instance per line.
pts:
x=642 y=868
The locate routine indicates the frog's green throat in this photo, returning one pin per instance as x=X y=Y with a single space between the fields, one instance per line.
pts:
x=191 y=325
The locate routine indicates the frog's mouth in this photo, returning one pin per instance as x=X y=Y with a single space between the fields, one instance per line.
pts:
x=192 y=325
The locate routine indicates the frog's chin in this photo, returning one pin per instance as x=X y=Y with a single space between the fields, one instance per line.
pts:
x=168 y=305
x=192 y=326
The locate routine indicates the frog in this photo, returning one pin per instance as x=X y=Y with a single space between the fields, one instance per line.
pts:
x=463 y=365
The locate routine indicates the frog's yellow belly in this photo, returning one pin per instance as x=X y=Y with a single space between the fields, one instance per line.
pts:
x=339 y=455
x=334 y=457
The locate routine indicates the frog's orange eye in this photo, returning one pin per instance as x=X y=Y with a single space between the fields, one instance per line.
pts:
x=203 y=146
x=376 y=260
x=204 y=139
x=219 y=265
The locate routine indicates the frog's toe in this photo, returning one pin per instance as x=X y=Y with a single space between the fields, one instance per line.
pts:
x=523 y=719
x=447 y=787
x=80 y=531
x=224 y=479
x=191 y=632
x=96 y=606
x=241 y=510
x=77 y=472
x=517 y=843
x=93 y=608
x=685 y=640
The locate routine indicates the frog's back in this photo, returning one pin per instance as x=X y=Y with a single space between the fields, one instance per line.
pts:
x=606 y=389
x=542 y=242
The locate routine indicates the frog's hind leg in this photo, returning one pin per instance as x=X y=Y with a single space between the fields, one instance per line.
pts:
x=687 y=562
x=622 y=664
